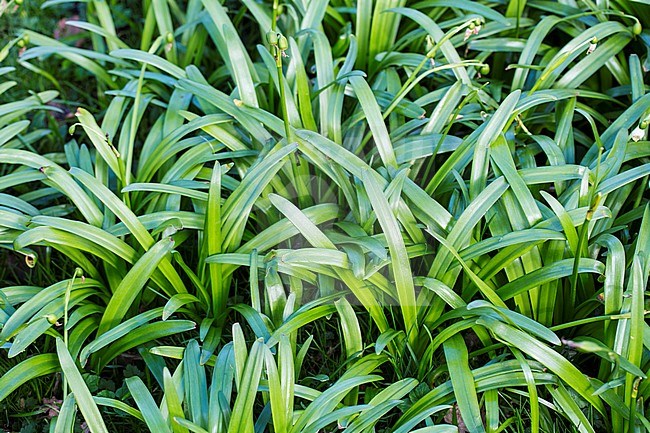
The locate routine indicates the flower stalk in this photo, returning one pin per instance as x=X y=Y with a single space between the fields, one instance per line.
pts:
x=279 y=44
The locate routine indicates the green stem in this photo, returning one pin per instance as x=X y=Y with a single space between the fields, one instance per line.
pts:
x=128 y=166
x=594 y=201
x=274 y=17
x=588 y=320
x=283 y=102
x=556 y=65
x=411 y=84
x=68 y=290
x=414 y=78
x=430 y=55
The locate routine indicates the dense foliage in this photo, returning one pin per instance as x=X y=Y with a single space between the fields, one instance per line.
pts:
x=316 y=215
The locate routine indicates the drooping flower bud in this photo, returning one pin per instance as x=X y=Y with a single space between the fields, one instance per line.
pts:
x=592 y=45
x=283 y=44
x=272 y=37
x=639 y=132
x=477 y=27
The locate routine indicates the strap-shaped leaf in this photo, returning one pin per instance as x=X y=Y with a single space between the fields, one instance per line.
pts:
x=82 y=394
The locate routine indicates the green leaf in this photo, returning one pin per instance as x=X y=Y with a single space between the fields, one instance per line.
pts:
x=326 y=402
x=493 y=129
x=149 y=59
x=65 y=419
x=100 y=140
x=116 y=333
x=177 y=301
x=196 y=389
x=148 y=407
x=85 y=401
x=131 y=221
x=62 y=181
x=129 y=288
x=465 y=5
x=432 y=28
x=566 y=403
x=549 y=358
x=554 y=271
x=463 y=383
x=241 y=419
x=279 y=406
x=399 y=257
x=23 y=372
x=375 y=120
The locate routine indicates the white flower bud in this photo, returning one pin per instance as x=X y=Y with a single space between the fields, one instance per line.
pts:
x=592 y=45
x=638 y=134
x=591 y=49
